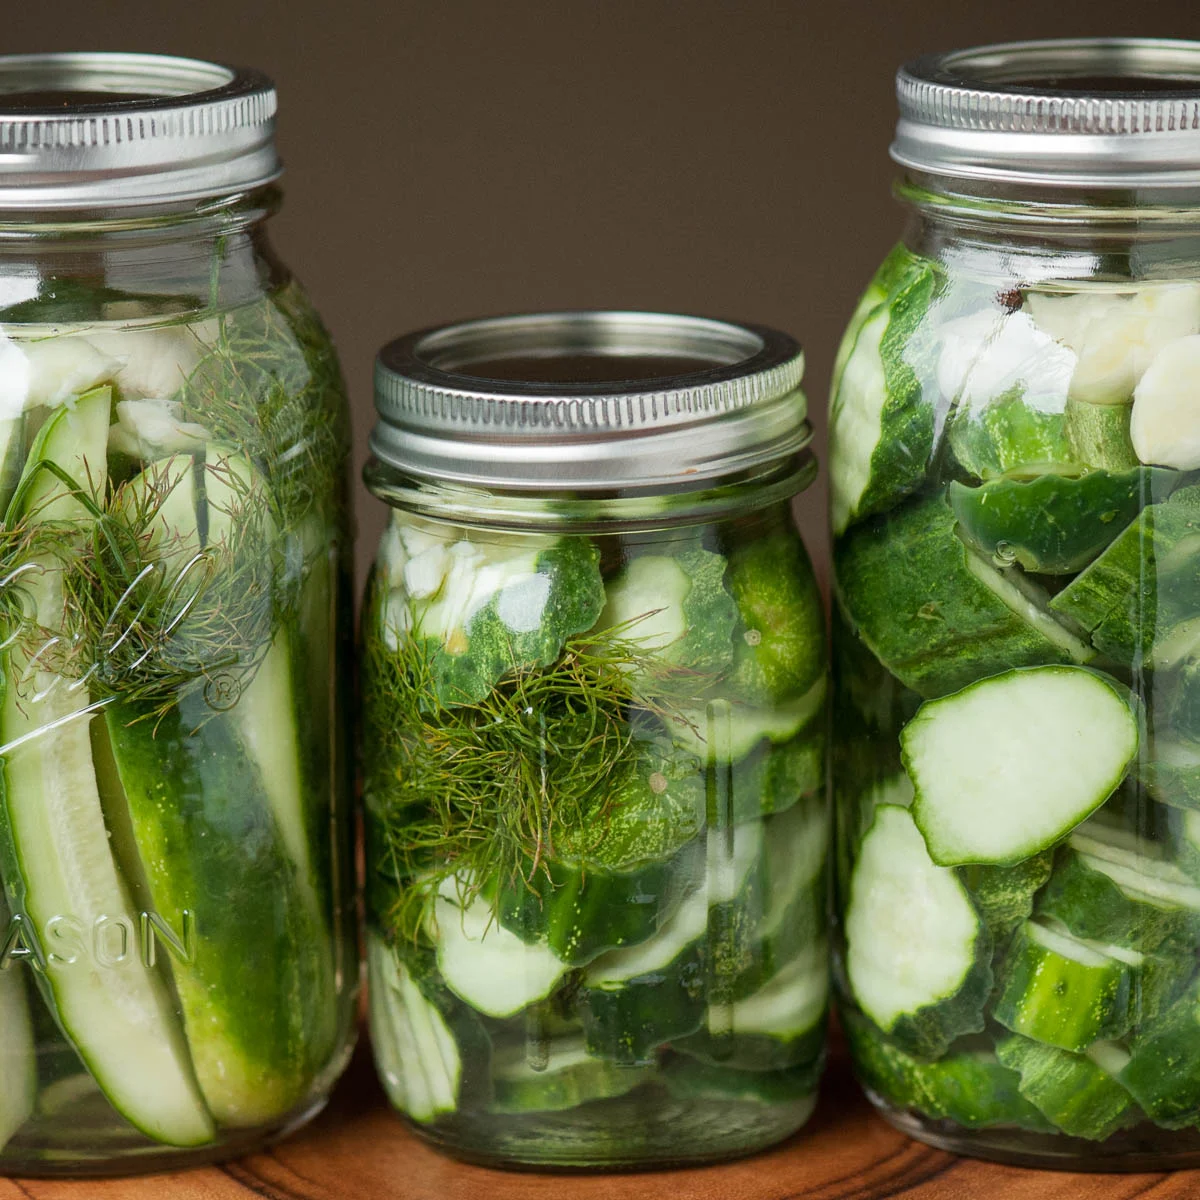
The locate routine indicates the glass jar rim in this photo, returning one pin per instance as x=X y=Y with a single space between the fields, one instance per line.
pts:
x=626 y=511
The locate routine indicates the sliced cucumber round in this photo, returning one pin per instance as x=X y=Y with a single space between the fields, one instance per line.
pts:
x=917 y=954
x=1011 y=764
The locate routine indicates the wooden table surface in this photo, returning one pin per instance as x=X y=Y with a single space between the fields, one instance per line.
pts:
x=358 y=1151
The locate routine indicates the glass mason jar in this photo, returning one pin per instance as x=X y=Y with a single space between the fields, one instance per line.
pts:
x=593 y=741
x=1015 y=448
x=176 y=979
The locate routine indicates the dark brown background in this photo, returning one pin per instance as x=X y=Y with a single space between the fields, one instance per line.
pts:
x=452 y=159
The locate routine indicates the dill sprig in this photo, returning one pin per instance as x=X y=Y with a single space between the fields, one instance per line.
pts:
x=151 y=622
x=270 y=384
x=486 y=792
x=160 y=618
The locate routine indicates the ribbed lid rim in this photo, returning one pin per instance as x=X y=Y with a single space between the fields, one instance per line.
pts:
x=438 y=419
x=146 y=129
x=1031 y=111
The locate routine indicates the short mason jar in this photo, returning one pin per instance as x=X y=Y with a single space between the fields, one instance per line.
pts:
x=177 y=973
x=593 y=741
x=1015 y=441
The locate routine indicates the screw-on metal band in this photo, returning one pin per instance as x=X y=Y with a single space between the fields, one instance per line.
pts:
x=81 y=131
x=1085 y=112
x=733 y=404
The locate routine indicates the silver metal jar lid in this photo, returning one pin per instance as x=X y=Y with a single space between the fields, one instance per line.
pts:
x=1088 y=112
x=588 y=400
x=81 y=131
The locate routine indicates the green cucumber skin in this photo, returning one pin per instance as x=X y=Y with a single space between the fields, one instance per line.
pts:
x=774 y=777
x=1060 y=1002
x=475 y=1044
x=20 y=1050
x=527 y=1078
x=1091 y=905
x=904 y=584
x=970 y=1088
x=319 y=639
x=775 y=921
x=574 y=604
x=901 y=456
x=1071 y=1091
x=1100 y=435
x=1163 y=1074
x=1173 y=783
x=12 y=457
x=1007 y=435
x=583 y=910
x=757 y=1051
x=1054 y=524
x=730 y=959
x=687 y=1078
x=779 y=652
x=210 y=846
x=628 y=1024
x=929 y=1031
x=1004 y=896
x=1142 y=587
x=617 y=879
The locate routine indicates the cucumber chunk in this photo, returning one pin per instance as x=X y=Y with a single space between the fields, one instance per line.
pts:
x=677 y=607
x=419 y=1062
x=1163 y=1072
x=1135 y=599
x=59 y=858
x=774 y=777
x=725 y=732
x=1100 y=435
x=1004 y=895
x=563 y=1075
x=971 y=1087
x=881 y=423
x=1123 y=892
x=618 y=875
x=689 y=1079
x=787 y=915
x=634 y=999
x=1077 y=1093
x=1011 y=764
x=1171 y=771
x=1052 y=524
x=488 y=609
x=893 y=268
x=935 y=613
x=1063 y=992
x=917 y=956
x=1009 y=436
x=490 y=968
x=781 y=1025
x=779 y=650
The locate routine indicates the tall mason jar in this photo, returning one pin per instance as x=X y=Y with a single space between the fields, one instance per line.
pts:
x=176 y=971
x=1015 y=467
x=593 y=741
